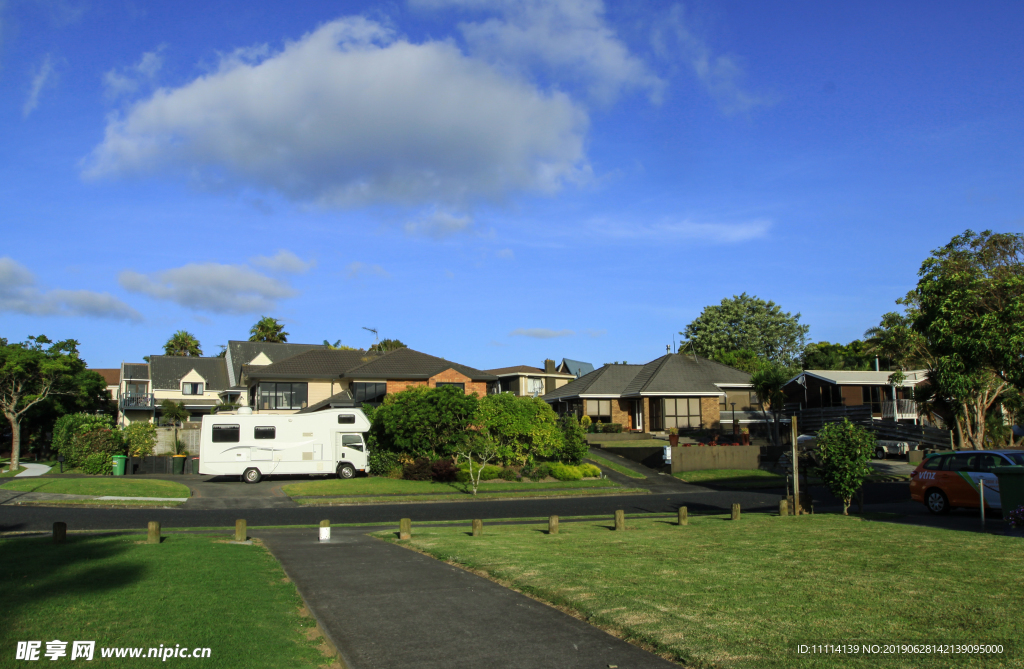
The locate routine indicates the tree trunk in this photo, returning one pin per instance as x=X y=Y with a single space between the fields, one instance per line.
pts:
x=846 y=506
x=15 y=442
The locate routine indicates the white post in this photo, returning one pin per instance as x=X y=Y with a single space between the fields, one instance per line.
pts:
x=797 y=510
x=981 y=491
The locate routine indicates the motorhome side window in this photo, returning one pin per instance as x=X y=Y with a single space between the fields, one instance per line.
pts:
x=264 y=432
x=352 y=441
x=225 y=433
x=346 y=419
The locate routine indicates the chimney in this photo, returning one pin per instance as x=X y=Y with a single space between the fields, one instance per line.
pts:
x=549 y=366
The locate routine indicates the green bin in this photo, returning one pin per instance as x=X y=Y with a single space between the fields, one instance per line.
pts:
x=119 y=463
x=179 y=464
x=1011 y=487
x=195 y=465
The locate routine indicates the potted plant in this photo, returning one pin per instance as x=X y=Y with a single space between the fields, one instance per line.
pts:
x=745 y=436
x=585 y=422
x=673 y=436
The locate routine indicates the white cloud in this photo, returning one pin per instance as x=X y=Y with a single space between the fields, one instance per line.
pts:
x=40 y=79
x=284 y=261
x=717 y=233
x=222 y=289
x=128 y=80
x=540 y=333
x=508 y=254
x=351 y=114
x=569 y=37
x=439 y=224
x=19 y=294
x=357 y=270
x=595 y=333
x=721 y=75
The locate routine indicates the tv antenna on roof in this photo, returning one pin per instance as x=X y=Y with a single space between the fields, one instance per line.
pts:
x=375 y=335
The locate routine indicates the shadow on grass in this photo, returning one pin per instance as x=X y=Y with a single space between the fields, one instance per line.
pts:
x=35 y=569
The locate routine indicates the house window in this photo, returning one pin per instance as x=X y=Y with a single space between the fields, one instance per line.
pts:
x=460 y=386
x=600 y=411
x=745 y=400
x=224 y=434
x=195 y=418
x=369 y=393
x=873 y=396
x=282 y=396
x=191 y=389
x=508 y=384
x=264 y=432
x=534 y=386
x=682 y=412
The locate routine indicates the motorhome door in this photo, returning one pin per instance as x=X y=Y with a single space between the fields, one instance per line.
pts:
x=346 y=446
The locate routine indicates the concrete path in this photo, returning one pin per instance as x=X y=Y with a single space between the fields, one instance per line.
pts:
x=33 y=470
x=384 y=606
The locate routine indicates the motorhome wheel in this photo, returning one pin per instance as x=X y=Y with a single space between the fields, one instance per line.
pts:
x=346 y=471
x=252 y=475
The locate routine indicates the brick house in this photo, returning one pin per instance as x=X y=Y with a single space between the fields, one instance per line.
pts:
x=526 y=381
x=674 y=391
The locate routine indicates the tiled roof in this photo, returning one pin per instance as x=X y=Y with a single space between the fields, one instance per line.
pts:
x=319 y=363
x=405 y=363
x=242 y=353
x=869 y=378
x=342 y=399
x=681 y=373
x=577 y=368
x=606 y=380
x=135 y=371
x=168 y=370
x=111 y=376
x=518 y=369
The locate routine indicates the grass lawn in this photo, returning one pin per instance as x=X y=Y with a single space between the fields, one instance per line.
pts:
x=461 y=497
x=7 y=474
x=718 y=593
x=189 y=590
x=605 y=462
x=379 y=485
x=734 y=478
x=118 y=487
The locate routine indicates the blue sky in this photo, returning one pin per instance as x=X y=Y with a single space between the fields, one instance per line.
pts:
x=491 y=182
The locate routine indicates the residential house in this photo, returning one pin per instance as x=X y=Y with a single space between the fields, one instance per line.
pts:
x=825 y=388
x=318 y=379
x=674 y=391
x=574 y=367
x=194 y=382
x=240 y=355
x=526 y=381
x=112 y=378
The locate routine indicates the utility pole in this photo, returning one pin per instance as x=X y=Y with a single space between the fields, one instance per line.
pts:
x=796 y=473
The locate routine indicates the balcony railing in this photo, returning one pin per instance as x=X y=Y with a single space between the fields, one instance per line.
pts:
x=136 y=401
x=904 y=409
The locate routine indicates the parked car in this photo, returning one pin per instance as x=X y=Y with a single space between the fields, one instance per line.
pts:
x=944 y=481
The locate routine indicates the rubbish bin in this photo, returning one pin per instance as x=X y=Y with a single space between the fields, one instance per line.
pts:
x=178 y=464
x=195 y=465
x=119 y=462
x=1011 y=487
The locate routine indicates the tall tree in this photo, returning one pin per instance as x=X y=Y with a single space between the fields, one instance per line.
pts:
x=747 y=322
x=176 y=414
x=768 y=382
x=969 y=307
x=268 y=329
x=825 y=355
x=30 y=373
x=183 y=343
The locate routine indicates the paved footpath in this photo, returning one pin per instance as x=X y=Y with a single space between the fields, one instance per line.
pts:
x=384 y=606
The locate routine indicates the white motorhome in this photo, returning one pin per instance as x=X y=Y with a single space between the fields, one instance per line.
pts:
x=256 y=445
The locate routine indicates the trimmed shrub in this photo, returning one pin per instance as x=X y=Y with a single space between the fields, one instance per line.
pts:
x=384 y=463
x=564 y=472
x=612 y=428
x=508 y=475
x=576 y=446
x=70 y=426
x=418 y=470
x=95 y=450
x=139 y=438
x=537 y=472
x=444 y=470
x=590 y=471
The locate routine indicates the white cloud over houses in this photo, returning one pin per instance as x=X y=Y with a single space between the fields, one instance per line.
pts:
x=19 y=294
x=39 y=81
x=352 y=114
x=540 y=333
x=128 y=80
x=687 y=230
x=439 y=224
x=285 y=262
x=358 y=270
x=212 y=287
x=570 y=37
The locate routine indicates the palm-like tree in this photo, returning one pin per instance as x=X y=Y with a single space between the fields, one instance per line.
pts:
x=268 y=329
x=768 y=383
x=184 y=344
x=176 y=414
x=386 y=345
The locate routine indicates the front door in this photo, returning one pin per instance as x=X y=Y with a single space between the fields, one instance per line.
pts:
x=638 y=415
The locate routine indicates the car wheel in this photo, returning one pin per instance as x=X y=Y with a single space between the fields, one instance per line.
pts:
x=936 y=501
x=252 y=475
x=880 y=453
x=346 y=471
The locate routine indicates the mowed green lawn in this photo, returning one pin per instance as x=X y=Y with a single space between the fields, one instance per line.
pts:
x=718 y=593
x=189 y=590
x=117 y=487
x=614 y=466
x=379 y=485
x=734 y=478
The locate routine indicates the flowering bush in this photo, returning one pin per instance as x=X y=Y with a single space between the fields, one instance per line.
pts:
x=1016 y=517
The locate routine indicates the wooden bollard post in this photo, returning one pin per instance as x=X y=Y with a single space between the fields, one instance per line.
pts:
x=553 y=525
x=325 y=530
x=240 y=530
x=405 y=529
x=153 y=537
x=478 y=527
x=684 y=519
x=60 y=532
x=783 y=507
x=620 y=520
x=735 y=511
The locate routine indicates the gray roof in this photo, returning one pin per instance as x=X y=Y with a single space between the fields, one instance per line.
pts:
x=242 y=352
x=342 y=399
x=405 y=363
x=577 y=368
x=679 y=373
x=134 y=371
x=319 y=363
x=168 y=370
x=608 y=380
x=667 y=375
